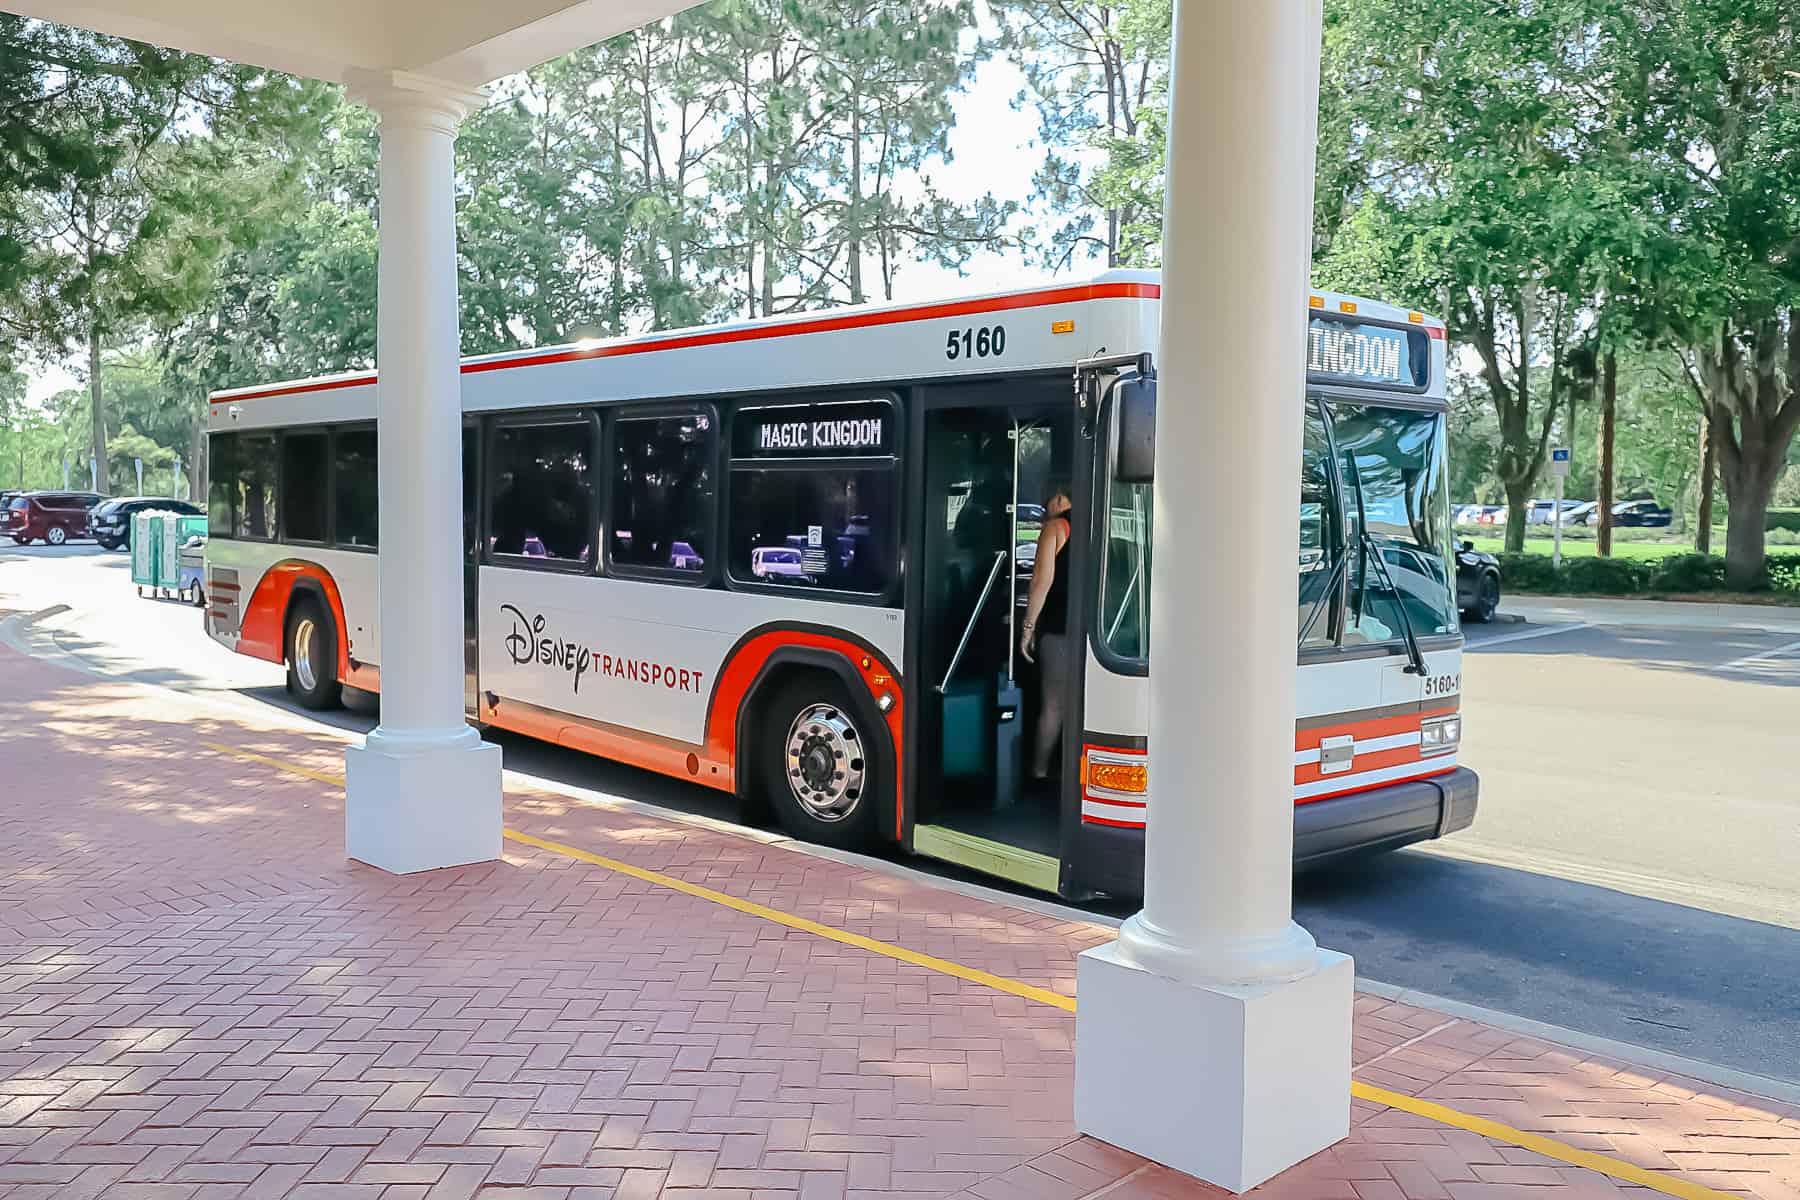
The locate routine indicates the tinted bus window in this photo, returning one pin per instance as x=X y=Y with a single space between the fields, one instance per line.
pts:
x=258 y=467
x=1319 y=549
x=812 y=527
x=221 y=483
x=541 y=478
x=355 y=476
x=305 y=475
x=662 y=492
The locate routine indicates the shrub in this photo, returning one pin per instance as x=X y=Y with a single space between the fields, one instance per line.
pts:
x=1527 y=573
x=1783 y=518
x=1782 y=537
x=1604 y=576
x=1687 y=573
x=1784 y=572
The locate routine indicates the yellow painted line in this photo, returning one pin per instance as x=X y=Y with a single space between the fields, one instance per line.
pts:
x=278 y=764
x=929 y=962
x=1618 y=1169
x=1614 y=1168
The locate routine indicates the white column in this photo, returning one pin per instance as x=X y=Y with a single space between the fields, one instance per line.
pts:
x=1214 y=1036
x=424 y=790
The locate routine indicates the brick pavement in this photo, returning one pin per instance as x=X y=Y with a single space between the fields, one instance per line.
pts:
x=200 y=997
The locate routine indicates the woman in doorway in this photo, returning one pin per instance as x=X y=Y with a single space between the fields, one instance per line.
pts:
x=1043 y=635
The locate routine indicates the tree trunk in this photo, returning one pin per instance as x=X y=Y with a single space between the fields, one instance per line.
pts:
x=1518 y=495
x=97 y=399
x=1609 y=407
x=1709 y=473
x=855 y=231
x=1746 y=562
x=196 y=463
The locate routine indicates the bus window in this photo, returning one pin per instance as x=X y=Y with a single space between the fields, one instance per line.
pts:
x=221 y=483
x=355 y=475
x=662 y=493
x=304 y=476
x=254 y=494
x=1125 y=571
x=1392 y=462
x=541 y=481
x=1319 y=549
x=829 y=528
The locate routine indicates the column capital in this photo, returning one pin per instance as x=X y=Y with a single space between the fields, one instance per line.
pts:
x=403 y=98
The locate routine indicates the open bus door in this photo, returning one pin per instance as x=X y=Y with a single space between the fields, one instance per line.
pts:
x=991 y=450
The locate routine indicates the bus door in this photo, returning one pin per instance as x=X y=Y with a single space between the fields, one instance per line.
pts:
x=991 y=452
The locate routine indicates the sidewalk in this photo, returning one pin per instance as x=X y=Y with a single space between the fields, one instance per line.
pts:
x=1659 y=614
x=200 y=997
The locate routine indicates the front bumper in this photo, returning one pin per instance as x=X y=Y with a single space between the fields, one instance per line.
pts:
x=1109 y=860
x=1385 y=818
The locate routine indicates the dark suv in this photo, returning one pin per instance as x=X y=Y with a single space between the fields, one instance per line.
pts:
x=110 y=523
x=54 y=517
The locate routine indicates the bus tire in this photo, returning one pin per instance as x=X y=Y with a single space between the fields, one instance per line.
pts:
x=311 y=645
x=819 y=776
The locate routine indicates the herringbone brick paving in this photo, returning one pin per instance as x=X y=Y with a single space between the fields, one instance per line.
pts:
x=199 y=997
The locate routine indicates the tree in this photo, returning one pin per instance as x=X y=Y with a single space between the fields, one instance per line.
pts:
x=1724 y=80
x=1098 y=74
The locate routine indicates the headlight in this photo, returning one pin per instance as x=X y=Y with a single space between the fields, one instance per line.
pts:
x=1440 y=735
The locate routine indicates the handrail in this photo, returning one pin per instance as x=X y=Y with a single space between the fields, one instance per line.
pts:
x=974 y=617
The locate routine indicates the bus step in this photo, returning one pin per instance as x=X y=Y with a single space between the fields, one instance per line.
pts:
x=1028 y=867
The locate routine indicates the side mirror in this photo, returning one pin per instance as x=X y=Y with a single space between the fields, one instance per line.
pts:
x=1135 y=398
x=1466 y=546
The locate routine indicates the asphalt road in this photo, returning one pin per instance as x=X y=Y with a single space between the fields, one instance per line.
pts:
x=1631 y=874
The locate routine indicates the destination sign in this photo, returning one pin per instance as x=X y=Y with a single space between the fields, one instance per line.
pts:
x=820 y=431
x=1355 y=352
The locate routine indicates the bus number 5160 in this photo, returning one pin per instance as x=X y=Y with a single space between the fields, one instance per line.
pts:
x=987 y=342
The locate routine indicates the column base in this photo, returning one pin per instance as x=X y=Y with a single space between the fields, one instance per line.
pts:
x=1230 y=1084
x=417 y=805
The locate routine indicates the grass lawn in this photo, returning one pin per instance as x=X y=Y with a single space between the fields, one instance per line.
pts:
x=1584 y=548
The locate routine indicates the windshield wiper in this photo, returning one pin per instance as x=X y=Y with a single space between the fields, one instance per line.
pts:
x=1372 y=550
x=1325 y=594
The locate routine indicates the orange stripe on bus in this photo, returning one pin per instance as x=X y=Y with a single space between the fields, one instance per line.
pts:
x=1307 y=739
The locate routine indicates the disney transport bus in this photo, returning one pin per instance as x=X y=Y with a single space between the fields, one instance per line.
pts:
x=786 y=559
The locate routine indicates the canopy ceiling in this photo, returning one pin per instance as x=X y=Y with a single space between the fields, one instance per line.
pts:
x=466 y=42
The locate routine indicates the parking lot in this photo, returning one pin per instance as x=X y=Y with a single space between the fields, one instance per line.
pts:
x=1629 y=875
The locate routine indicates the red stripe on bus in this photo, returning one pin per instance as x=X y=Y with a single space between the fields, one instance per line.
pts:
x=825 y=324
x=1091 y=820
x=263 y=629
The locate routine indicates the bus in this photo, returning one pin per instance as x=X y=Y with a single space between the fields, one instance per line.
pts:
x=788 y=559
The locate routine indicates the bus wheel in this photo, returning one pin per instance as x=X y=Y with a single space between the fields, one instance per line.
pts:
x=818 y=775
x=312 y=656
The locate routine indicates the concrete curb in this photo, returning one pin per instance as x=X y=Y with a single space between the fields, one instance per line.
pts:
x=1625 y=1052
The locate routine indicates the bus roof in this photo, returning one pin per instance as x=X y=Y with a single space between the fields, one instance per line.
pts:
x=1128 y=285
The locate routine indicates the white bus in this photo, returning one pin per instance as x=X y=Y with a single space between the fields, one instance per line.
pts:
x=787 y=559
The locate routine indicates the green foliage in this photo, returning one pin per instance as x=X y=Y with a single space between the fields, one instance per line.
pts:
x=1785 y=519
x=1604 y=576
x=1527 y=572
x=1687 y=573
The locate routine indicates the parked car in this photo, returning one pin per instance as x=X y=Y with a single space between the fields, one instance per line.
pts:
x=778 y=563
x=1477 y=583
x=53 y=517
x=110 y=521
x=1465 y=514
x=1581 y=514
x=1491 y=514
x=1543 y=512
x=1642 y=514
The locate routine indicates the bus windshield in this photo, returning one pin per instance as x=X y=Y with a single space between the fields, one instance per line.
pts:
x=1397 y=492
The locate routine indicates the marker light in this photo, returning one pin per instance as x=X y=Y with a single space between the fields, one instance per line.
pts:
x=1118 y=773
x=1315 y=302
x=1440 y=735
x=1347 y=306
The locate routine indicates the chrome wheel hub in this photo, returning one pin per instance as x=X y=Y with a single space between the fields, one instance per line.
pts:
x=303 y=655
x=825 y=762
